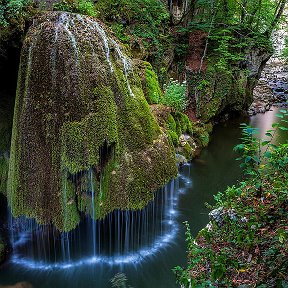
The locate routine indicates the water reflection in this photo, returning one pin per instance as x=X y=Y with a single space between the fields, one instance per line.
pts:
x=264 y=122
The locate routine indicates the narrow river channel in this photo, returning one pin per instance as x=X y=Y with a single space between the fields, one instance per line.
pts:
x=158 y=242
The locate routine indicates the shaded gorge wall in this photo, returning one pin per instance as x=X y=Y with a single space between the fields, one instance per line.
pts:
x=9 y=63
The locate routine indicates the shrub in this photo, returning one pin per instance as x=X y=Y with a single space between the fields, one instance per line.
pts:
x=175 y=95
x=85 y=7
x=285 y=51
x=145 y=22
x=12 y=11
x=250 y=227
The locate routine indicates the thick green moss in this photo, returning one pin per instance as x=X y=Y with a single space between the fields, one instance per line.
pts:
x=152 y=90
x=196 y=134
x=187 y=151
x=6 y=116
x=202 y=135
x=178 y=123
x=70 y=217
x=226 y=89
x=4 y=166
x=220 y=90
x=173 y=137
x=84 y=138
x=171 y=124
x=184 y=122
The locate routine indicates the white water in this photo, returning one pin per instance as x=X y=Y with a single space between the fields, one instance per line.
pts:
x=126 y=64
x=106 y=41
x=123 y=237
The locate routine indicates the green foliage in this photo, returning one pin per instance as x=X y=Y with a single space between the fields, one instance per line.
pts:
x=250 y=244
x=85 y=7
x=152 y=90
x=285 y=51
x=256 y=153
x=227 y=48
x=175 y=95
x=14 y=11
x=142 y=21
x=232 y=26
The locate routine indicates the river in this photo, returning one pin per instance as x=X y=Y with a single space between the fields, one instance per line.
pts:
x=157 y=243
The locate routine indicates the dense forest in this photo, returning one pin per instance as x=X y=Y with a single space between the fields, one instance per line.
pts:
x=104 y=102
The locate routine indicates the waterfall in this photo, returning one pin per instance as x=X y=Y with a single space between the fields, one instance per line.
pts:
x=63 y=22
x=66 y=183
x=126 y=64
x=122 y=237
x=93 y=25
x=93 y=211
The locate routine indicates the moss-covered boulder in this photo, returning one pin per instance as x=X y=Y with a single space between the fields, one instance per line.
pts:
x=84 y=138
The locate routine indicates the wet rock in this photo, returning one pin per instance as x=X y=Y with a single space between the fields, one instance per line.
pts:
x=217 y=215
x=82 y=96
x=232 y=214
x=180 y=159
x=220 y=214
x=191 y=142
x=244 y=220
x=182 y=140
x=209 y=226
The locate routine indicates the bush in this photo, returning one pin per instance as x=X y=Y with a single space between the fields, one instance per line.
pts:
x=85 y=7
x=285 y=51
x=175 y=95
x=13 y=11
x=145 y=22
x=246 y=242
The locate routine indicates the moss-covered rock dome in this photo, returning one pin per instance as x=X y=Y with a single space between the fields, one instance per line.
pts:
x=84 y=139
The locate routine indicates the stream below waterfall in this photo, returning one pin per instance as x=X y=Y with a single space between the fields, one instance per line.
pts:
x=145 y=245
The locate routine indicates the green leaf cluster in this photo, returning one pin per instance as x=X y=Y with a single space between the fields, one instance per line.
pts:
x=139 y=23
x=13 y=12
x=258 y=155
x=175 y=95
x=85 y=7
x=250 y=245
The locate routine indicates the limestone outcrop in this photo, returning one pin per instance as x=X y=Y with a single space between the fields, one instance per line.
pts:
x=84 y=140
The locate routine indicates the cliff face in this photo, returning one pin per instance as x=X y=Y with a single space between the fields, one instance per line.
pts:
x=216 y=86
x=84 y=139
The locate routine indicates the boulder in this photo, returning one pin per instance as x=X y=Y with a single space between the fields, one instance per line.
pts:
x=84 y=139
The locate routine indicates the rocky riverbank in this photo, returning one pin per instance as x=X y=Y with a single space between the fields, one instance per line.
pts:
x=272 y=88
x=245 y=243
